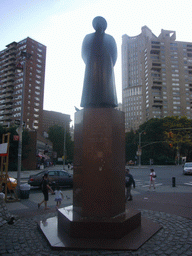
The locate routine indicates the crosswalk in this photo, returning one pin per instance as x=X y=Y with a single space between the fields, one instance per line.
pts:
x=188 y=184
x=143 y=184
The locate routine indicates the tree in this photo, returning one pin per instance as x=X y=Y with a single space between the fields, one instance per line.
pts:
x=153 y=143
x=56 y=136
x=130 y=146
x=178 y=134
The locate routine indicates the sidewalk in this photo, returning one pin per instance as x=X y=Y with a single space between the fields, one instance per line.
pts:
x=171 y=210
x=169 y=207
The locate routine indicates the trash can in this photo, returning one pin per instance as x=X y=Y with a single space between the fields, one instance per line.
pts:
x=24 y=191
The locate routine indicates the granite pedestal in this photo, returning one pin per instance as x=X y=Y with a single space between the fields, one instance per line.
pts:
x=98 y=218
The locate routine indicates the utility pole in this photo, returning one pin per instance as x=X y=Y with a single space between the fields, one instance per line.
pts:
x=24 y=56
x=139 y=147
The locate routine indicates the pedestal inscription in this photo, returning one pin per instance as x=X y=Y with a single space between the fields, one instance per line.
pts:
x=99 y=175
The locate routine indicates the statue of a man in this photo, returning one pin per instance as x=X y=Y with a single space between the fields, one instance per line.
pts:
x=99 y=52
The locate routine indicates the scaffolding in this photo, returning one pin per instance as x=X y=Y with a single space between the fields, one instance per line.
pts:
x=6 y=185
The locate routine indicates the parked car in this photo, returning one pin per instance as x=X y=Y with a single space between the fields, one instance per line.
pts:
x=56 y=177
x=187 y=169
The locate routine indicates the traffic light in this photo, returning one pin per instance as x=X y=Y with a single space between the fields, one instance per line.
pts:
x=170 y=145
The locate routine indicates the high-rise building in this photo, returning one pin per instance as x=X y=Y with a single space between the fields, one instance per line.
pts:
x=156 y=77
x=12 y=83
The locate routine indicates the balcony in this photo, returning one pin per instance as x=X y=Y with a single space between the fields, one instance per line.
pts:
x=4 y=80
x=9 y=84
x=7 y=90
x=2 y=107
x=8 y=87
x=155 y=47
x=156 y=69
x=155 y=52
x=7 y=118
x=7 y=96
x=8 y=100
x=157 y=102
x=10 y=61
x=4 y=75
x=10 y=79
x=157 y=85
x=11 y=73
x=7 y=112
x=11 y=68
x=11 y=57
x=8 y=106
x=154 y=64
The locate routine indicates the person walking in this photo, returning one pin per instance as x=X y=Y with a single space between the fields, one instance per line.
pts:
x=152 y=179
x=58 y=196
x=129 y=181
x=45 y=189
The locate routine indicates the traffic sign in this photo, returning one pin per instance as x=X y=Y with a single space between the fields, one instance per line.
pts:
x=15 y=137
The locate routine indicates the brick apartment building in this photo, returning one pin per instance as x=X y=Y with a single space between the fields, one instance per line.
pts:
x=156 y=77
x=11 y=84
x=51 y=118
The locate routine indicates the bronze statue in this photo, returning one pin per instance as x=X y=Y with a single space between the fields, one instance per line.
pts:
x=99 y=52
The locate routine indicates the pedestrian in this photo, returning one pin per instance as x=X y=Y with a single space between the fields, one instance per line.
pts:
x=58 y=196
x=129 y=181
x=45 y=190
x=152 y=179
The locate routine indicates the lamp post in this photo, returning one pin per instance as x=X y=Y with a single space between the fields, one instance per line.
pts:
x=64 y=148
x=139 y=147
x=24 y=56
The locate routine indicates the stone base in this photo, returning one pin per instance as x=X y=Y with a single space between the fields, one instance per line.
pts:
x=99 y=163
x=114 y=228
x=60 y=239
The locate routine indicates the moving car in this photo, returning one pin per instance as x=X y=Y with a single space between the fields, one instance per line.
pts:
x=187 y=169
x=56 y=177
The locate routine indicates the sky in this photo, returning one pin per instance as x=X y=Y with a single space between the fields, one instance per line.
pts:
x=61 y=26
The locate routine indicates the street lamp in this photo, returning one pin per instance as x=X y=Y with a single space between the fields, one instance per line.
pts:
x=64 y=148
x=24 y=56
x=139 y=147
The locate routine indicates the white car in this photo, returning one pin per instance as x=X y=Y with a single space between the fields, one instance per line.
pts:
x=187 y=169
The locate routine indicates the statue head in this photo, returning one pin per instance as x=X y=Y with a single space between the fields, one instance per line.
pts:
x=99 y=23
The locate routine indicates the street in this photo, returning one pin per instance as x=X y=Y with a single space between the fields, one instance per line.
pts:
x=164 y=175
x=183 y=183
x=163 y=184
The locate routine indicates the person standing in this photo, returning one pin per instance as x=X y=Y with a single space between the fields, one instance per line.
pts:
x=45 y=189
x=152 y=179
x=129 y=181
x=58 y=196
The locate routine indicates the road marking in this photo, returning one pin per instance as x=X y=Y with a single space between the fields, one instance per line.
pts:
x=156 y=184
x=189 y=184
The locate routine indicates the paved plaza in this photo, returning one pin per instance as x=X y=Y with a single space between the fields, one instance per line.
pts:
x=169 y=207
